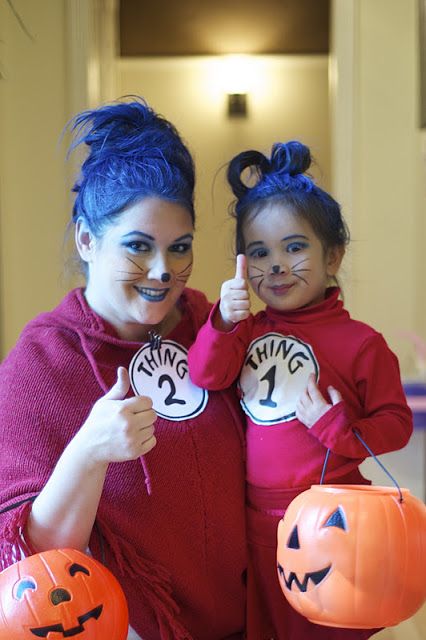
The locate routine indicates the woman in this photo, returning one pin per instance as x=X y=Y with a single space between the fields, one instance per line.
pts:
x=155 y=495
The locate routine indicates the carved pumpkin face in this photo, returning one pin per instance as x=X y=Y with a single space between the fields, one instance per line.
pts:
x=351 y=555
x=60 y=594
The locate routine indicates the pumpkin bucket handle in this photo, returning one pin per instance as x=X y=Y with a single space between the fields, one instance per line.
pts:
x=327 y=455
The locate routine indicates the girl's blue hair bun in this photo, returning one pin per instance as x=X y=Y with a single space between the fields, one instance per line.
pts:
x=291 y=157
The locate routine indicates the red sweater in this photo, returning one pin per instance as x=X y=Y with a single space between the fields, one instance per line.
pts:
x=179 y=553
x=273 y=354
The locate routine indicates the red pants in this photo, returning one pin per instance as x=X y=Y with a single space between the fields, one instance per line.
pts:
x=269 y=615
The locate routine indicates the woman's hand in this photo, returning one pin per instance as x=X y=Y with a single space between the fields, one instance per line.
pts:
x=234 y=295
x=312 y=405
x=118 y=428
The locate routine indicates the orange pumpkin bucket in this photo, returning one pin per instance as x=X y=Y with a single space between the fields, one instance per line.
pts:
x=353 y=555
x=59 y=594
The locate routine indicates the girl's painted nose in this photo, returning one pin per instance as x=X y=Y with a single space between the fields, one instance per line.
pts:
x=276 y=268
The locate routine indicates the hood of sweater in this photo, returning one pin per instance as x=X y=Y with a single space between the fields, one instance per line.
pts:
x=99 y=340
x=74 y=313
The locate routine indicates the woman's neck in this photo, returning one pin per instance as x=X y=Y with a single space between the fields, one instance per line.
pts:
x=143 y=332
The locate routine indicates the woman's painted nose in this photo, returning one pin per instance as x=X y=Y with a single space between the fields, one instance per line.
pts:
x=159 y=269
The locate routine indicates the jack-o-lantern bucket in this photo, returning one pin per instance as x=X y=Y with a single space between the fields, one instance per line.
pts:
x=353 y=555
x=59 y=594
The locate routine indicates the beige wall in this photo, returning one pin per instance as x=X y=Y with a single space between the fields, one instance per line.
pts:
x=374 y=157
x=378 y=168
x=288 y=99
x=379 y=175
x=33 y=202
x=65 y=65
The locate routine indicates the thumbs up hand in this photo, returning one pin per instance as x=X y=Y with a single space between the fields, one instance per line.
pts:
x=118 y=428
x=234 y=296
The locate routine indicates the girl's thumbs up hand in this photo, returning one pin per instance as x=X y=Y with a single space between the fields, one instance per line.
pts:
x=241 y=268
x=234 y=296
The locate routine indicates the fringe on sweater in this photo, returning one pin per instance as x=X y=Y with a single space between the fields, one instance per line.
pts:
x=154 y=580
x=13 y=545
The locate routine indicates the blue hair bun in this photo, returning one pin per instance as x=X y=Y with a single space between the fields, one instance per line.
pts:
x=254 y=160
x=293 y=158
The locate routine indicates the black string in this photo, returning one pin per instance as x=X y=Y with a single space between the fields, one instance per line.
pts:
x=102 y=554
x=101 y=543
x=18 y=504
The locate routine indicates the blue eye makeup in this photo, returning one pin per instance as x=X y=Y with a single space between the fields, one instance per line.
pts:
x=295 y=247
x=260 y=252
x=137 y=246
x=181 y=247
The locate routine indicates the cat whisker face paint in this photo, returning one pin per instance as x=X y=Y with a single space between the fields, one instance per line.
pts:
x=141 y=266
x=281 y=246
x=134 y=276
x=184 y=274
x=136 y=265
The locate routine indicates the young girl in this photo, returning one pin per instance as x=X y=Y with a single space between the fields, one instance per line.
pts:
x=308 y=375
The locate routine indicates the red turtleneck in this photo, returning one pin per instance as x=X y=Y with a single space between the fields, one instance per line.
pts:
x=272 y=354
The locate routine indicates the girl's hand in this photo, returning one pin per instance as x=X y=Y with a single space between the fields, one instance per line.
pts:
x=312 y=404
x=118 y=428
x=234 y=295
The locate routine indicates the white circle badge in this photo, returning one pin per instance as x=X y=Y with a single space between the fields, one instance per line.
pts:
x=162 y=374
x=275 y=372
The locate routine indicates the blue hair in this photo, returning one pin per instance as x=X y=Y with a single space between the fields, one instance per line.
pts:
x=133 y=153
x=282 y=178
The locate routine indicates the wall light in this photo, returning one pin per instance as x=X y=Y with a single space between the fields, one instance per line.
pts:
x=237 y=79
x=237 y=83
x=237 y=105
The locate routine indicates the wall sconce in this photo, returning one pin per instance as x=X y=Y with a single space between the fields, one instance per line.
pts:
x=237 y=79
x=237 y=105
